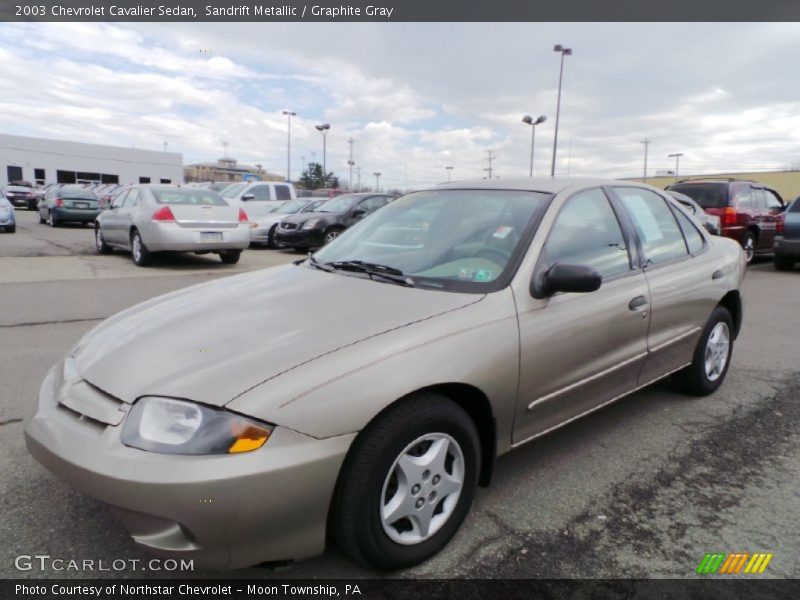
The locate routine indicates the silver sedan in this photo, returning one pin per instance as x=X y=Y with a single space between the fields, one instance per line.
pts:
x=366 y=391
x=164 y=218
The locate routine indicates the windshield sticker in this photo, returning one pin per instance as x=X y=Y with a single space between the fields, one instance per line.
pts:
x=484 y=275
x=466 y=274
x=502 y=232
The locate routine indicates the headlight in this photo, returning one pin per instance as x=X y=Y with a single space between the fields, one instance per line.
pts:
x=311 y=223
x=178 y=427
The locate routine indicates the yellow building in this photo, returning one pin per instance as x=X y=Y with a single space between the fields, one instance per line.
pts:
x=227 y=169
x=786 y=183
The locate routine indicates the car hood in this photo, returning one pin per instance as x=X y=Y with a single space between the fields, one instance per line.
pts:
x=303 y=217
x=212 y=342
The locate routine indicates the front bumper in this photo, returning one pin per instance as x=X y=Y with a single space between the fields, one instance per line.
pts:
x=300 y=238
x=783 y=247
x=221 y=511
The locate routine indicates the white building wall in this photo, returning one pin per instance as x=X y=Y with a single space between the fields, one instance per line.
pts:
x=129 y=164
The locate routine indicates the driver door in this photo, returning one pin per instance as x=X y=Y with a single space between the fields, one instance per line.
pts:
x=579 y=351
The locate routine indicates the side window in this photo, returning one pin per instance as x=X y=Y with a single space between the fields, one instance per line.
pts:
x=772 y=200
x=261 y=192
x=370 y=205
x=655 y=223
x=119 y=200
x=282 y=192
x=744 y=197
x=132 y=199
x=586 y=232
x=694 y=238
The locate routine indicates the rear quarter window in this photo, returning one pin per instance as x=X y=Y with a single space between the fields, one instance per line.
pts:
x=194 y=197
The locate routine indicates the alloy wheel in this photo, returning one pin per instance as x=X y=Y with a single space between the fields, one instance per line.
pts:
x=749 y=248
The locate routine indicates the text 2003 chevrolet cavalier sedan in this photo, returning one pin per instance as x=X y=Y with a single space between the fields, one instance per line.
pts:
x=366 y=391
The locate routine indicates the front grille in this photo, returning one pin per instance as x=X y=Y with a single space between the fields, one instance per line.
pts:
x=92 y=403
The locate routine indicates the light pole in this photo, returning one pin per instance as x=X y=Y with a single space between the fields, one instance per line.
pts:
x=449 y=172
x=358 y=173
x=289 y=114
x=533 y=123
x=646 y=143
x=564 y=52
x=323 y=129
x=350 y=163
x=377 y=181
x=677 y=157
x=225 y=149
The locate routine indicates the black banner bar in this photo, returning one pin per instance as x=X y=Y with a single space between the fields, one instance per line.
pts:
x=401 y=10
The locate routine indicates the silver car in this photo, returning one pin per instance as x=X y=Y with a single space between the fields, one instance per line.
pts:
x=262 y=229
x=366 y=391
x=147 y=219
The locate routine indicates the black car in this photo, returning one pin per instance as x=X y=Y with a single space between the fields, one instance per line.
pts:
x=22 y=194
x=310 y=230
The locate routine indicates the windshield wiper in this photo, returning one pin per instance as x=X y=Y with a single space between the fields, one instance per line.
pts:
x=317 y=265
x=373 y=270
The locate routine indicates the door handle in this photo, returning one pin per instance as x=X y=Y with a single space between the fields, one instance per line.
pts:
x=637 y=303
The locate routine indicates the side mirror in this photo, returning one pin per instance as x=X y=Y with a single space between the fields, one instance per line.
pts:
x=247 y=197
x=358 y=213
x=567 y=278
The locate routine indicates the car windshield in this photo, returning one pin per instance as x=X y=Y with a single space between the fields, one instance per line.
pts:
x=289 y=208
x=707 y=195
x=312 y=206
x=233 y=190
x=339 y=204
x=188 y=196
x=459 y=240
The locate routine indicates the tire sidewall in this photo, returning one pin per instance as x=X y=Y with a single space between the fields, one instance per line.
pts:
x=378 y=547
x=720 y=314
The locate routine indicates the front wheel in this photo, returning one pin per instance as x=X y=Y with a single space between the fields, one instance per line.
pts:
x=230 y=257
x=407 y=483
x=331 y=235
x=712 y=356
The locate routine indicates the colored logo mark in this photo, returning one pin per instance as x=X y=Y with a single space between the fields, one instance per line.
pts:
x=733 y=564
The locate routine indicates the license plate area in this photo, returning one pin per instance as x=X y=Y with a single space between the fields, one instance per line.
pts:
x=210 y=236
x=81 y=205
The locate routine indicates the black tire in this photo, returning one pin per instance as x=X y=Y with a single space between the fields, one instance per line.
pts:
x=356 y=510
x=142 y=257
x=784 y=263
x=42 y=220
x=271 y=237
x=331 y=234
x=11 y=229
x=230 y=257
x=749 y=246
x=100 y=243
x=695 y=379
x=51 y=220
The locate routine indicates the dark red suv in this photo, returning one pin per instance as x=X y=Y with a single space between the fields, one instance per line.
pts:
x=748 y=211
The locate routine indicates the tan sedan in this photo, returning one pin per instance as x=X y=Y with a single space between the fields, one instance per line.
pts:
x=367 y=390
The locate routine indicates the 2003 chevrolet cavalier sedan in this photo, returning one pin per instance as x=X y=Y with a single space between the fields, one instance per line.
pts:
x=366 y=391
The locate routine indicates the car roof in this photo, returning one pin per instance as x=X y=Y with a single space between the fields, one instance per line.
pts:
x=550 y=185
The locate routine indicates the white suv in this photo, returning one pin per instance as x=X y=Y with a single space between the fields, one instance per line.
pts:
x=259 y=197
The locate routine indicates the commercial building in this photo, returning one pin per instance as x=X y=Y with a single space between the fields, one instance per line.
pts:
x=227 y=169
x=42 y=161
x=786 y=183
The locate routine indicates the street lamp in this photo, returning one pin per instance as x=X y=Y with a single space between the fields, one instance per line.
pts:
x=289 y=114
x=323 y=129
x=533 y=123
x=564 y=52
x=377 y=181
x=350 y=163
x=677 y=158
x=449 y=172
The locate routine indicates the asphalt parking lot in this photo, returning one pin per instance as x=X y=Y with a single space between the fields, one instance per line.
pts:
x=643 y=488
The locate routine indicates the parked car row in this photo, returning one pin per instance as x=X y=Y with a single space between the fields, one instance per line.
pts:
x=8 y=222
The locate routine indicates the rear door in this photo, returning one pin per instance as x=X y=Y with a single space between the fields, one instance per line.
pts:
x=126 y=215
x=681 y=274
x=110 y=219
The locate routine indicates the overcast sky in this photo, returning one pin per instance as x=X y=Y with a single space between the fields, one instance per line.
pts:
x=417 y=97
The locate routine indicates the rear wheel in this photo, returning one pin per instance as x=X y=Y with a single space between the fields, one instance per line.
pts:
x=784 y=263
x=142 y=257
x=712 y=356
x=230 y=257
x=407 y=483
x=11 y=228
x=749 y=246
x=100 y=243
x=51 y=220
x=42 y=220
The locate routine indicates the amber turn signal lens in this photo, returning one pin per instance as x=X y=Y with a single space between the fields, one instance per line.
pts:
x=248 y=437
